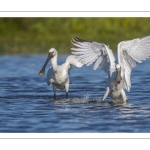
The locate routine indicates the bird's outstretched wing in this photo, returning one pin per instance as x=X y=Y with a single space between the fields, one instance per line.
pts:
x=88 y=52
x=130 y=52
x=71 y=60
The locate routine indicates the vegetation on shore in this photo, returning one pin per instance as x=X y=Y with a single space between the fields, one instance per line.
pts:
x=38 y=35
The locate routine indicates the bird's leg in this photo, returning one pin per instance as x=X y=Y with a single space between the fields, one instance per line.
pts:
x=54 y=96
x=66 y=94
x=67 y=87
x=54 y=90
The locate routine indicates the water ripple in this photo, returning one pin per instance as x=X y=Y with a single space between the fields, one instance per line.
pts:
x=27 y=103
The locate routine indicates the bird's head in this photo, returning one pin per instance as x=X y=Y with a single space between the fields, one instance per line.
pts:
x=118 y=67
x=51 y=54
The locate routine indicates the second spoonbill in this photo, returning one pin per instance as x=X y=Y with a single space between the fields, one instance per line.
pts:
x=129 y=52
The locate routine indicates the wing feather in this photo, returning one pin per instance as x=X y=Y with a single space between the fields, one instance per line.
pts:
x=132 y=52
x=98 y=61
x=71 y=60
x=88 y=52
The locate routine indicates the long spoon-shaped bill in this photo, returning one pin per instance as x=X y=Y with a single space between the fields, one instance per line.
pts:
x=118 y=79
x=41 y=73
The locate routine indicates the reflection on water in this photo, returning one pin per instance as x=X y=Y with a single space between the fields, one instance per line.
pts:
x=27 y=103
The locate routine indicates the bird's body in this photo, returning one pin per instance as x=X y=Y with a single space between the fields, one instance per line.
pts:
x=115 y=88
x=129 y=53
x=58 y=75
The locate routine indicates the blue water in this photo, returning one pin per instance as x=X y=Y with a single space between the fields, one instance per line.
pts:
x=27 y=104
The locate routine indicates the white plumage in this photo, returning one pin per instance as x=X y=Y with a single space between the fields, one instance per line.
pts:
x=58 y=75
x=129 y=52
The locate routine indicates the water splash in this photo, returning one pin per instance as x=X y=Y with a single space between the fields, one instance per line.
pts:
x=72 y=100
x=81 y=100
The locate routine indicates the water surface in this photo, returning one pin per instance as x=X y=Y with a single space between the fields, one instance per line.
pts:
x=27 y=104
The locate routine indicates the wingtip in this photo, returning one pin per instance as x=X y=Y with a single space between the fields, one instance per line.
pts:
x=145 y=36
x=76 y=39
x=73 y=40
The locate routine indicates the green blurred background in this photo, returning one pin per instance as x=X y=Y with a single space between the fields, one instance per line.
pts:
x=38 y=35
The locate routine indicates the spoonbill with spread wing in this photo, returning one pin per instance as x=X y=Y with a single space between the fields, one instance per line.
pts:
x=129 y=52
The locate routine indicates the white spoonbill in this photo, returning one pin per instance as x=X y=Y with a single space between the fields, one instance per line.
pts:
x=129 y=52
x=58 y=75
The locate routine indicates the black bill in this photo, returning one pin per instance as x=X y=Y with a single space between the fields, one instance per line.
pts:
x=41 y=73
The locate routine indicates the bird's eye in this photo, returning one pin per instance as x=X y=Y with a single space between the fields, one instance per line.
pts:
x=52 y=53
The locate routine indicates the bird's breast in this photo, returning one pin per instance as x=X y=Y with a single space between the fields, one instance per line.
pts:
x=114 y=94
x=60 y=77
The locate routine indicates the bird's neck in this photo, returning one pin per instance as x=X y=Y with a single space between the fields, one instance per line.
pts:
x=54 y=63
x=118 y=75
